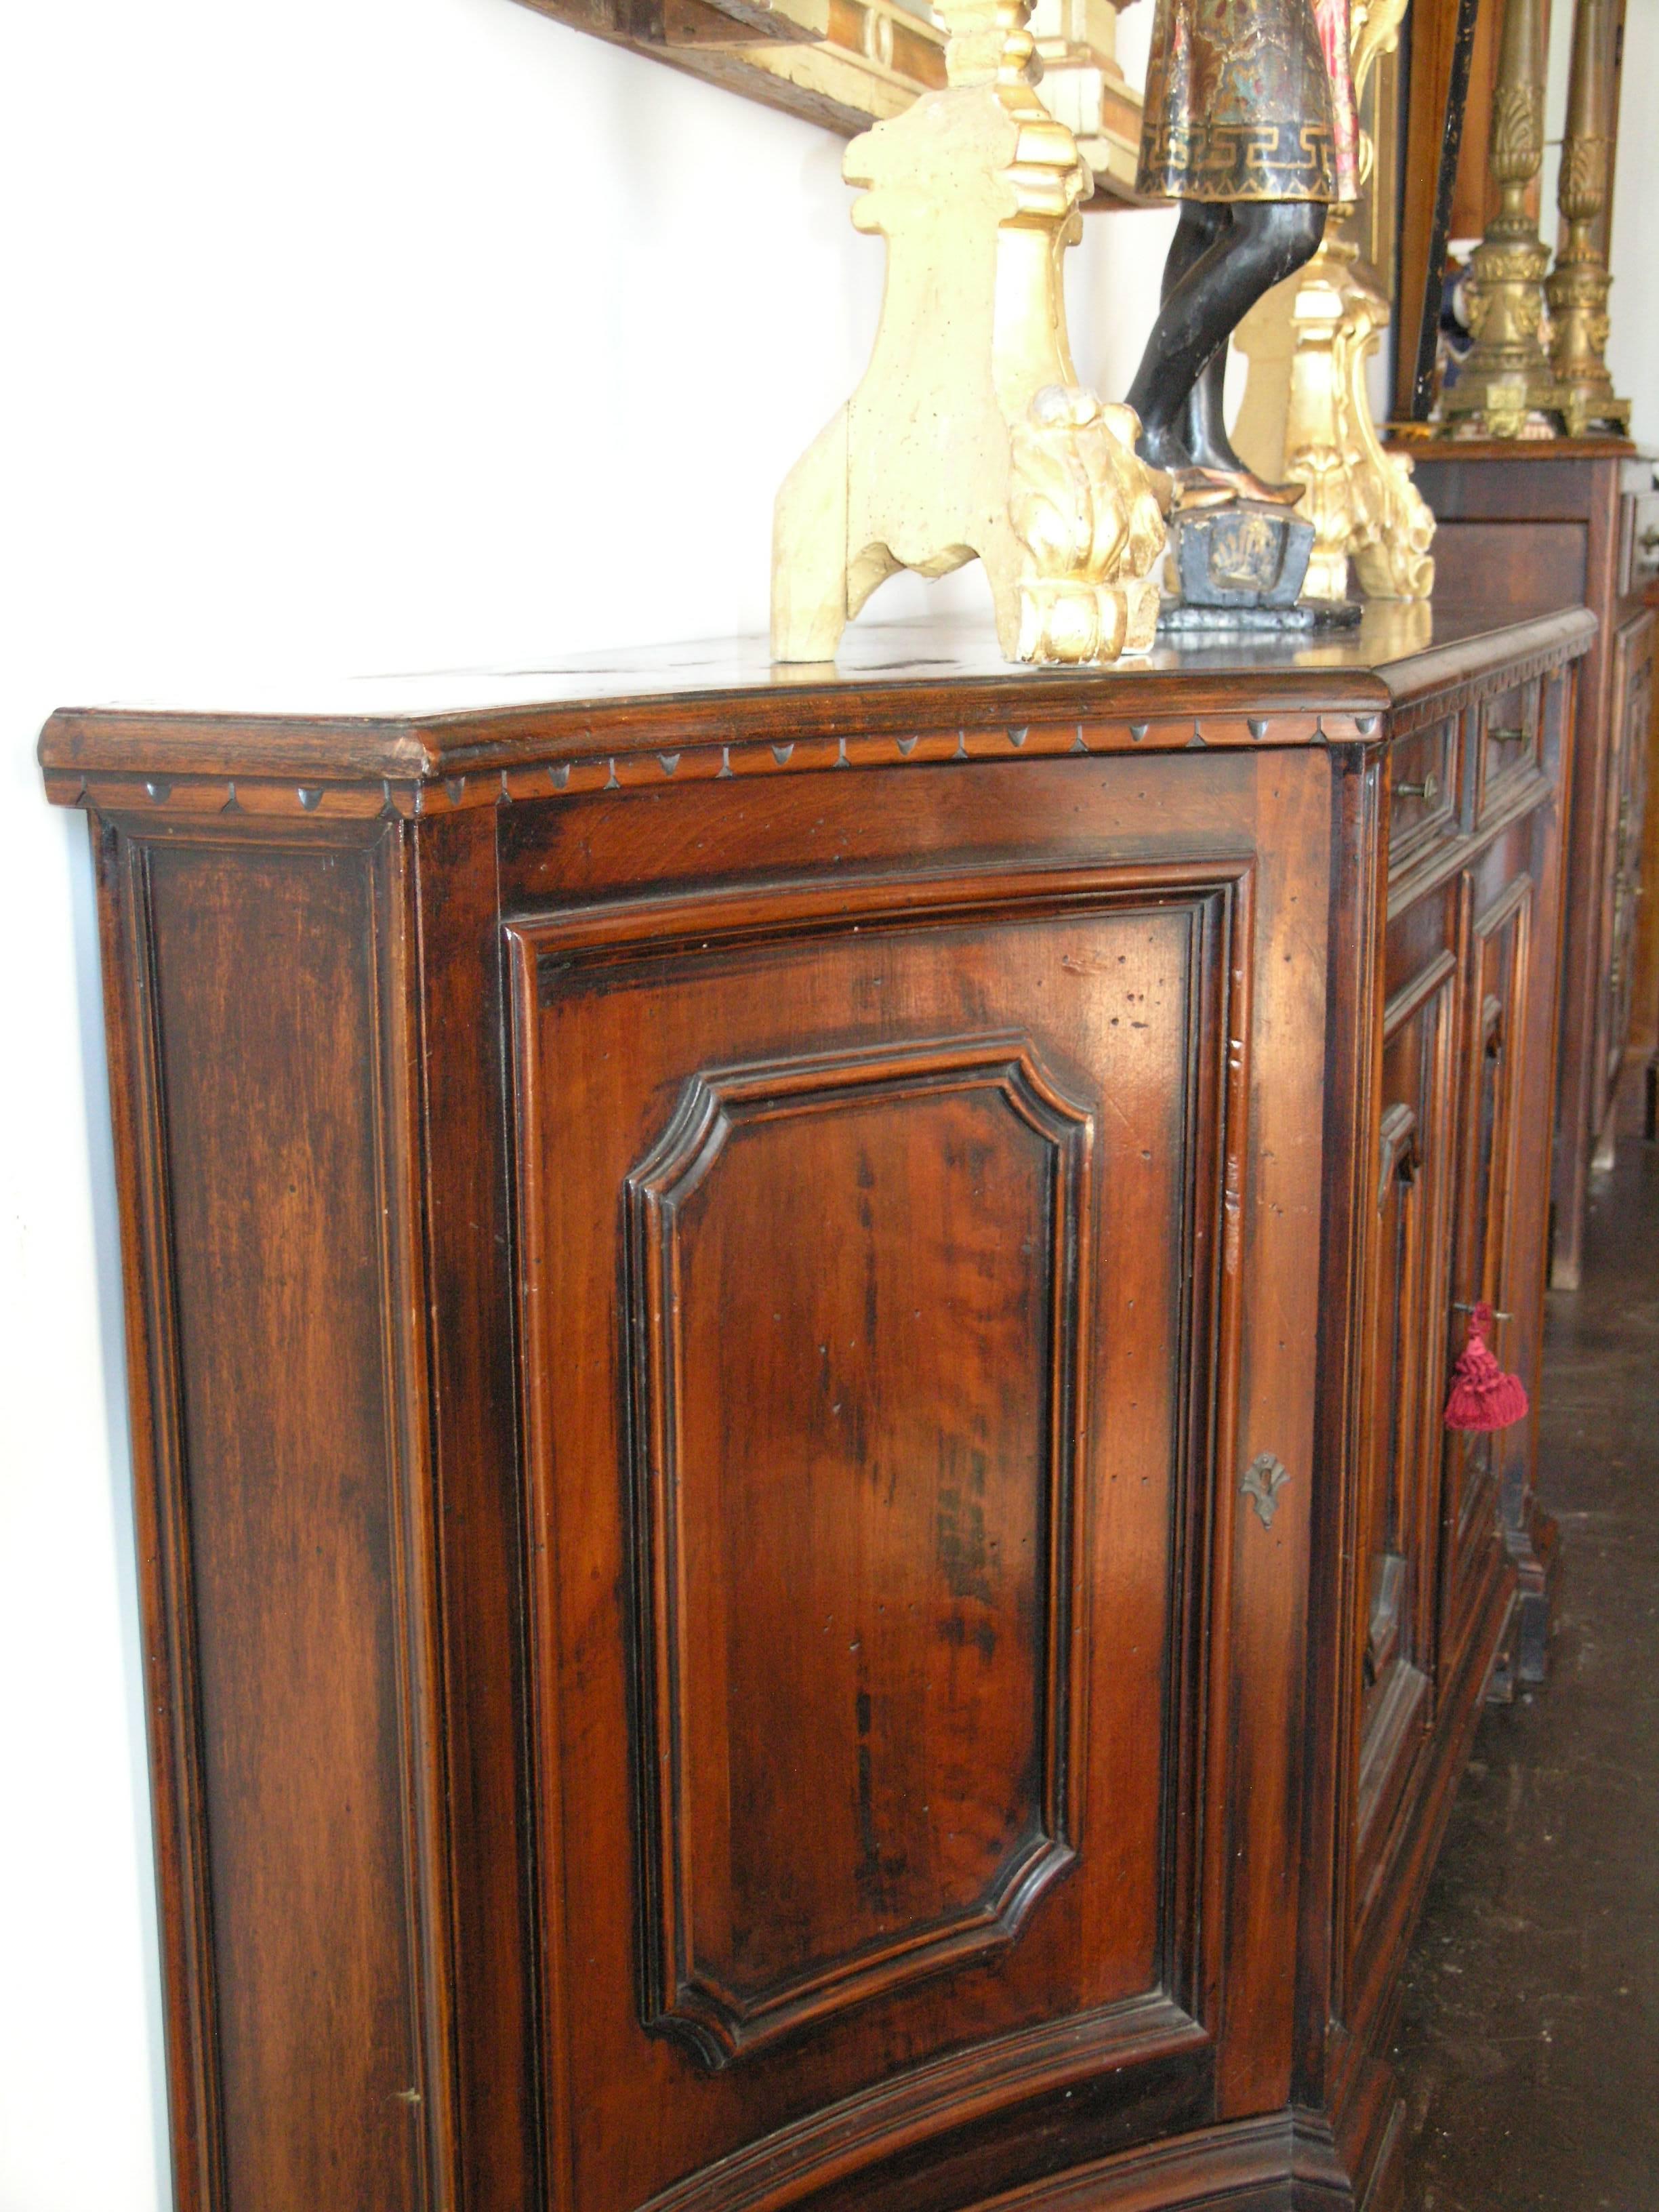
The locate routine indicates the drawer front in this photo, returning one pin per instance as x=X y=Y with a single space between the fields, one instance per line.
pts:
x=1508 y=744
x=1639 y=542
x=1425 y=772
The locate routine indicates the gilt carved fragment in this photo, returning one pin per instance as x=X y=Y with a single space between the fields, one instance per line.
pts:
x=1307 y=412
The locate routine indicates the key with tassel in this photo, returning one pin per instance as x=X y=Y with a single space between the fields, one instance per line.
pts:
x=1483 y=1396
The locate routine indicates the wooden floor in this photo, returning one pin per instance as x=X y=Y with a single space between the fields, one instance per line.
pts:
x=1528 y=2042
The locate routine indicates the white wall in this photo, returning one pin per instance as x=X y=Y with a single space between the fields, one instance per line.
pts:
x=367 y=335
x=1558 y=61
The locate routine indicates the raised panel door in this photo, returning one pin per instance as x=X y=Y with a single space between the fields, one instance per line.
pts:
x=1489 y=1266
x=1397 y=1506
x=889 y=1386
x=856 y=1305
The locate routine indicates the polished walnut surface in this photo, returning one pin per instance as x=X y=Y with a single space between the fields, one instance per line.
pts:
x=449 y=722
x=797 y=1548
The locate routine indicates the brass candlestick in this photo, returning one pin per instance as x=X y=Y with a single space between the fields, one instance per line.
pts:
x=1579 y=288
x=1507 y=388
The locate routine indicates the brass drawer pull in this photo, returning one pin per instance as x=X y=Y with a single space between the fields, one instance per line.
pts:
x=1648 y=541
x=1507 y=737
x=1429 y=788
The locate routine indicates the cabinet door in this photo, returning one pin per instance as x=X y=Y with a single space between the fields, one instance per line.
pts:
x=1399 y=1489
x=1631 y=695
x=914 y=1261
x=1494 y=1080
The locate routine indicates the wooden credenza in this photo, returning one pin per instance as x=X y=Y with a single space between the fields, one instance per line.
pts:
x=1644 y=1048
x=788 y=1334
x=1572 y=521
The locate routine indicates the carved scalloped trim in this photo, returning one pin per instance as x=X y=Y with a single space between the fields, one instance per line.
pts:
x=650 y=767
x=650 y=764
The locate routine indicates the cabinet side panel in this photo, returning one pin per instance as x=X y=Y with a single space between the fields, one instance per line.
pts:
x=163 y=1556
x=258 y=998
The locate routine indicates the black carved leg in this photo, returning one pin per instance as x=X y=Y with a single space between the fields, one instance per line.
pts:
x=1203 y=422
x=1204 y=433
x=1158 y=395
x=1222 y=260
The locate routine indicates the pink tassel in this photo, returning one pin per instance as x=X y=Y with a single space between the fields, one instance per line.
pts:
x=1482 y=1396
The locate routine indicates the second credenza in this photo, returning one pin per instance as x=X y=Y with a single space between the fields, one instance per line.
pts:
x=788 y=1336
x=1568 y=520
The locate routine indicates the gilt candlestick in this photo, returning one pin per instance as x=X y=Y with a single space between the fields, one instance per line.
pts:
x=1506 y=388
x=1306 y=412
x=1579 y=286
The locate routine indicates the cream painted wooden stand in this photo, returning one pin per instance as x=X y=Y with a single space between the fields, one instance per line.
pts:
x=969 y=435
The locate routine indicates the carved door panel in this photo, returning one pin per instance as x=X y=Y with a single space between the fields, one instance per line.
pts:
x=1631 y=691
x=1493 y=1078
x=879 y=1358
x=1398 y=1500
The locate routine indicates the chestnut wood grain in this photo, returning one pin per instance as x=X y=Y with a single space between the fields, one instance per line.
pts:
x=787 y=1346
